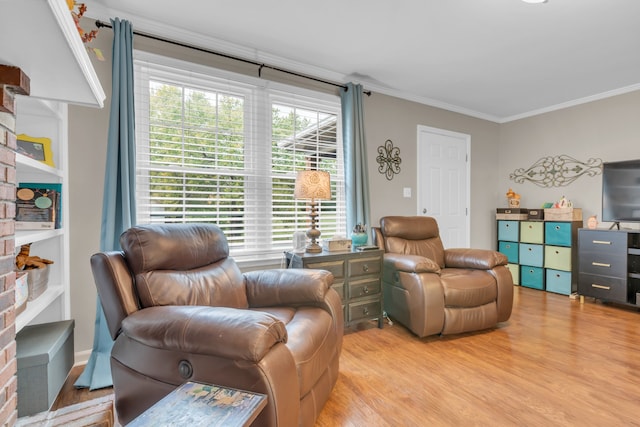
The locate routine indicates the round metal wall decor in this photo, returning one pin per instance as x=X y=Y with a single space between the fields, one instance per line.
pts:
x=388 y=159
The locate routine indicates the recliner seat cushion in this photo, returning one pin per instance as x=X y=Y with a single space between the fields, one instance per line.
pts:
x=468 y=288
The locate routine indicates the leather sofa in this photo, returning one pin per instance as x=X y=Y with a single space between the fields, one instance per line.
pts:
x=432 y=290
x=180 y=310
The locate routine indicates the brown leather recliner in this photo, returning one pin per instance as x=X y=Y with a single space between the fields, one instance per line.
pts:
x=432 y=290
x=180 y=310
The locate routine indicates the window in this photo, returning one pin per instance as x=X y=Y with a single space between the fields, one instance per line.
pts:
x=220 y=148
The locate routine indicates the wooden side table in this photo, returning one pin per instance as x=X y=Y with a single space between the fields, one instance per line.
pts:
x=358 y=280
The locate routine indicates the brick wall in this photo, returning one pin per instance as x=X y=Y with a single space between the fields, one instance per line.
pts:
x=12 y=81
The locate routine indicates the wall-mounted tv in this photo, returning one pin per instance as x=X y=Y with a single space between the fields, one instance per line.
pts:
x=621 y=191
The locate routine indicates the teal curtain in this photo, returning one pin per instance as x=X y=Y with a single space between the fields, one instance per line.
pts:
x=118 y=204
x=355 y=157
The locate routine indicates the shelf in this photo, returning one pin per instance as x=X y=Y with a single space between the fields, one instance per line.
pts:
x=29 y=165
x=40 y=37
x=31 y=236
x=38 y=305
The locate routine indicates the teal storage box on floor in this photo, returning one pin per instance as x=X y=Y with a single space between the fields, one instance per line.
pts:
x=532 y=277
x=45 y=358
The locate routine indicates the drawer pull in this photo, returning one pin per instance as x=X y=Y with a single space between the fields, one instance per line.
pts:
x=601 y=242
x=365 y=289
x=365 y=311
x=557 y=227
x=365 y=267
x=593 y=285
x=600 y=264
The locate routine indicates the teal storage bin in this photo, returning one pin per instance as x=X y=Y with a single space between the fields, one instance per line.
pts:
x=510 y=249
x=508 y=230
x=45 y=357
x=532 y=277
x=558 y=281
x=530 y=254
x=557 y=233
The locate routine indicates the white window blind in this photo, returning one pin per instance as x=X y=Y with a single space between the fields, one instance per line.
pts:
x=219 y=148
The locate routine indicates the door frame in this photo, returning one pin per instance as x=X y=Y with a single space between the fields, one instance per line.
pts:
x=419 y=151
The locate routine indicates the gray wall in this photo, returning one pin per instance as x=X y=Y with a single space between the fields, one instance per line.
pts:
x=606 y=129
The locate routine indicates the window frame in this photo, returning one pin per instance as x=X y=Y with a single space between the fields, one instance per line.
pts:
x=261 y=95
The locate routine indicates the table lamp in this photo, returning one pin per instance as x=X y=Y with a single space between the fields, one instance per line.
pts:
x=313 y=185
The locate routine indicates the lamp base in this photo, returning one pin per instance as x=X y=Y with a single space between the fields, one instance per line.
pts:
x=313 y=248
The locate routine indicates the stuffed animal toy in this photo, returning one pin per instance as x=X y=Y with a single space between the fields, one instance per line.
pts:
x=26 y=262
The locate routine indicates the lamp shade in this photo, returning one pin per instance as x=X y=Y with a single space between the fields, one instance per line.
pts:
x=313 y=185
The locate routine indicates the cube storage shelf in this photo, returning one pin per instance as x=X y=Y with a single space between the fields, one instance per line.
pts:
x=542 y=254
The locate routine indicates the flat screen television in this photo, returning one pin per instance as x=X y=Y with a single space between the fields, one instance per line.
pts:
x=621 y=191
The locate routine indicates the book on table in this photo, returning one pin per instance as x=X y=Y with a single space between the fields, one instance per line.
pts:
x=203 y=404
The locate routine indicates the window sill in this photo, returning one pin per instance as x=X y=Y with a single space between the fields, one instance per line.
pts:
x=249 y=263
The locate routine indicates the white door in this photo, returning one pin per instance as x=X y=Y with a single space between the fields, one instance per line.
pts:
x=443 y=183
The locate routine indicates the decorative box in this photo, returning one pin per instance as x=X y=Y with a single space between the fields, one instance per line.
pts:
x=336 y=245
x=512 y=213
x=37 y=279
x=22 y=291
x=536 y=214
x=563 y=214
x=44 y=354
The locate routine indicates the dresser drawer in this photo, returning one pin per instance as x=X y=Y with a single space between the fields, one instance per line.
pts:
x=532 y=232
x=510 y=249
x=335 y=267
x=558 y=233
x=508 y=230
x=530 y=254
x=363 y=288
x=364 y=310
x=603 y=263
x=557 y=257
x=362 y=266
x=532 y=277
x=606 y=288
x=558 y=281
x=603 y=242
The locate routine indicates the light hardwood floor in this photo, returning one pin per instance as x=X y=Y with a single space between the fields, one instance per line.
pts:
x=556 y=362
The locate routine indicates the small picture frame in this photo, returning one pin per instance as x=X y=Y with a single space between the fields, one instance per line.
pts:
x=35 y=148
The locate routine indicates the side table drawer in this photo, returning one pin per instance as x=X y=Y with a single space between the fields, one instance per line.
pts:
x=606 y=288
x=363 y=288
x=364 y=310
x=362 y=266
x=335 y=267
x=339 y=287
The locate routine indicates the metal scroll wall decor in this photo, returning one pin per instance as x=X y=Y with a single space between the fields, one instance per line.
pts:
x=557 y=171
x=388 y=159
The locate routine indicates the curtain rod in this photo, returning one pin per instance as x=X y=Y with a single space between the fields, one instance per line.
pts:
x=100 y=24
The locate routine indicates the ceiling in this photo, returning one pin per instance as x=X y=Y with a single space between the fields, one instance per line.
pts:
x=498 y=60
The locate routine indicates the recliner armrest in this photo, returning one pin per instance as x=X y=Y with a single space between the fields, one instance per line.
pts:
x=479 y=259
x=294 y=286
x=411 y=263
x=218 y=331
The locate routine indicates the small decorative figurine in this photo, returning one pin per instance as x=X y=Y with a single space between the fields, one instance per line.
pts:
x=592 y=222
x=513 y=199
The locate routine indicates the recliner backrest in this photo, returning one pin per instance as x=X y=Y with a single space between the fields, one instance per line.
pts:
x=183 y=264
x=415 y=235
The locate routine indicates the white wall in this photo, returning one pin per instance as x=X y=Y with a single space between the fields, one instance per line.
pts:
x=607 y=129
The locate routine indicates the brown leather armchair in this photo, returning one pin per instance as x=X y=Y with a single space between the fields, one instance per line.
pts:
x=180 y=310
x=432 y=290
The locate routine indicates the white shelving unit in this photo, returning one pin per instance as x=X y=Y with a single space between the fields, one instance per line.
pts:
x=51 y=53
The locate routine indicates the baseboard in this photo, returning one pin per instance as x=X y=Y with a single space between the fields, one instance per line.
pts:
x=81 y=357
